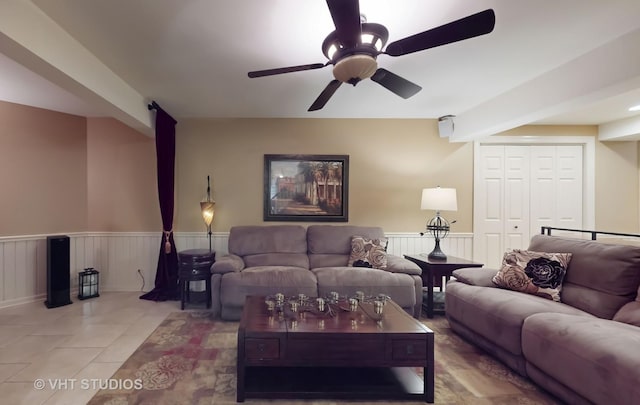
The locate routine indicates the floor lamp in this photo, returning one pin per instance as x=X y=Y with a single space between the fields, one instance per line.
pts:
x=206 y=206
x=438 y=199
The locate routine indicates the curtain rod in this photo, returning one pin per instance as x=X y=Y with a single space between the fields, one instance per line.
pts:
x=154 y=106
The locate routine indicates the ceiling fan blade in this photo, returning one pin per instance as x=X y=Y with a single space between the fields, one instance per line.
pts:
x=391 y=81
x=346 y=18
x=290 y=69
x=325 y=95
x=468 y=27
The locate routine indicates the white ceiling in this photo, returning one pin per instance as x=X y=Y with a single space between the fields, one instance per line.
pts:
x=192 y=57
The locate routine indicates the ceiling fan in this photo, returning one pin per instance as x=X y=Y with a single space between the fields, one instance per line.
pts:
x=355 y=44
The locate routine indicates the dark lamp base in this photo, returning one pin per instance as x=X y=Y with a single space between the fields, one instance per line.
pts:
x=437 y=254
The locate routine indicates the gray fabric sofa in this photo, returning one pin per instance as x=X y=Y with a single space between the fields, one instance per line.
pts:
x=585 y=349
x=292 y=259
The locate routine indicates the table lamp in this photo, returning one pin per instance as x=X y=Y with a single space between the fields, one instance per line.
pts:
x=438 y=199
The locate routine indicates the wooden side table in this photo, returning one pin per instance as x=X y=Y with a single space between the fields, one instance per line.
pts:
x=433 y=271
x=195 y=265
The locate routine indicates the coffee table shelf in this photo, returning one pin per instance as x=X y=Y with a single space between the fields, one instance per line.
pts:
x=348 y=356
x=333 y=383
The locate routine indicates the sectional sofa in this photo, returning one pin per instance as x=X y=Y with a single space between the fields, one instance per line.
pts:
x=584 y=349
x=292 y=259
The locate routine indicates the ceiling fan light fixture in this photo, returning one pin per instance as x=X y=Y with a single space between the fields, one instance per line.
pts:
x=374 y=35
x=332 y=51
x=354 y=68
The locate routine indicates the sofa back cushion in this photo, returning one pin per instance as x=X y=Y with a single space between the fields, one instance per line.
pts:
x=274 y=245
x=330 y=245
x=600 y=278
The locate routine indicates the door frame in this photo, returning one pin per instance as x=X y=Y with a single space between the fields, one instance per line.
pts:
x=588 y=169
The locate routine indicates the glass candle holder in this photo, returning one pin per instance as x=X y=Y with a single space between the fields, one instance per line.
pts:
x=271 y=305
x=383 y=298
x=353 y=304
x=378 y=307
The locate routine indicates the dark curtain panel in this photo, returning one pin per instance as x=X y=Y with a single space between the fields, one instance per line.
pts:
x=166 y=284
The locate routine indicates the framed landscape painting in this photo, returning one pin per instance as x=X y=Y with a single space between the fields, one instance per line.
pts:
x=306 y=188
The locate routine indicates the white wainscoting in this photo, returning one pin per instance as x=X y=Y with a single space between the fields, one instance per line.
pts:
x=455 y=244
x=119 y=255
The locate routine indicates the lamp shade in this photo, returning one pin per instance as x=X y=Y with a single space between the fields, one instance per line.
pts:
x=439 y=199
x=207 y=208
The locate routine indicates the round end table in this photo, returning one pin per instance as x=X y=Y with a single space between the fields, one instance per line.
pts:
x=195 y=265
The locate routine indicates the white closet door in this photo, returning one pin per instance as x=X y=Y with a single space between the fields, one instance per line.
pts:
x=556 y=187
x=518 y=189
x=517 y=178
x=489 y=205
x=543 y=186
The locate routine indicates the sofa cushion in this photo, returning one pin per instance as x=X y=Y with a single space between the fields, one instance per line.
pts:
x=367 y=252
x=476 y=276
x=327 y=260
x=397 y=264
x=538 y=273
x=596 y=358
x=330 y=245
x=252 y=240
x=277 y=259
x=498 y=314
x=266 y=280
x=601 y=277
x=629 y=313
x=346 y=281
x=227 y=264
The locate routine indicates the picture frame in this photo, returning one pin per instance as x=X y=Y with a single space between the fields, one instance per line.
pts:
x=306 y=188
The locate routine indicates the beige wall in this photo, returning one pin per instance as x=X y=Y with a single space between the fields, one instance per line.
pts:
x=43 y=171
x=617 y=187
x=61 y=173
x=121 y=174
x=391 y=161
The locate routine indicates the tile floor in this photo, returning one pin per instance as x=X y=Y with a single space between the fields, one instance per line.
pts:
x=72 y=346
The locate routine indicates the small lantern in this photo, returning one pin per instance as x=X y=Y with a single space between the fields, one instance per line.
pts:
x=88 y=283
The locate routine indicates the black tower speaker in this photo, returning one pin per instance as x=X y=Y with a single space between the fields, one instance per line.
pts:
x=58 y=271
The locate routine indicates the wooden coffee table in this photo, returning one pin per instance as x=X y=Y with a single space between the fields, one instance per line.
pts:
x=347 y=356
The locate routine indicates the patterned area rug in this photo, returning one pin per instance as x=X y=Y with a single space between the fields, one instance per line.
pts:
x=190 y=359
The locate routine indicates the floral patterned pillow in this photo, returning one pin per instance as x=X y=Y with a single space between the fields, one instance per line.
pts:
x=537 y=273
x=368 y=253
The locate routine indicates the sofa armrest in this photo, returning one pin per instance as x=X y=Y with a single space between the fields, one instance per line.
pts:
x=482 y=277
x=397 y=264
x=227 y=264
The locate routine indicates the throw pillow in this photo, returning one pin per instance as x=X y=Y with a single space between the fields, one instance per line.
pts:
x=537 y=273
x=368 y=253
